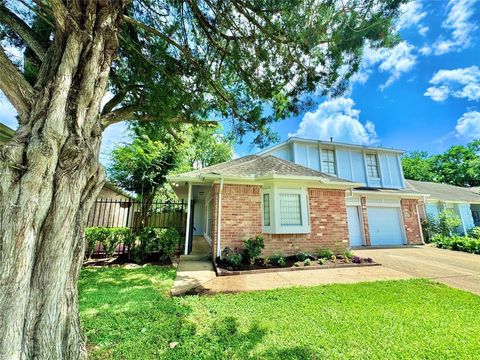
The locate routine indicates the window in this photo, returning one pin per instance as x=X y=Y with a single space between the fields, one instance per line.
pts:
x=285 y=210
x=372 y=166
x=290 y=210
x=266 y=209
x=328 y=161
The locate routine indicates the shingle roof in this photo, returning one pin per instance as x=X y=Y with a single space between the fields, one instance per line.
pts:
x=444 y=192
x=261 y=166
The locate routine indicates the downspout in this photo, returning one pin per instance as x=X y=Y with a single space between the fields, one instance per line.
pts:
x=189 y=210
x=219 y=217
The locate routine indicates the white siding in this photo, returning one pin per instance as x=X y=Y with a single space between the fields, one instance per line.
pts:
x=343 y=166
x=390 y=171
x=357 y=167
x=282 y=152
x=466 y=215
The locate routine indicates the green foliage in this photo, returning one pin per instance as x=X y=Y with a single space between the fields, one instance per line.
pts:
x=302 y=255
x=307 y=262
x=232 y=257
x=163 y=243
x=417 y=166
x=110 y=238
x=447 y=222
x=277 y=259
x=141 y=319
x=324 y=253
x=459 y=165
x=322 y=261
x=456 y=242
x=474 y=232
x=143 y=165
x=348 y=254
x=253 y=248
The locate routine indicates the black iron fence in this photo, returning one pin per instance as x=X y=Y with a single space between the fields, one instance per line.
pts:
x=113 y=213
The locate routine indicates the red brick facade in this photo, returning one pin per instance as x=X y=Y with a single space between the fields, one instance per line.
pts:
x=242 y=217
x=411 y=221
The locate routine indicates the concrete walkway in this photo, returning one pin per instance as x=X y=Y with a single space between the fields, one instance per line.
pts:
x=195 y=269
x=454 y=268
x=250 y=282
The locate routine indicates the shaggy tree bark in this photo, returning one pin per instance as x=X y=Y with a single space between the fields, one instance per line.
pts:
x=50 y=176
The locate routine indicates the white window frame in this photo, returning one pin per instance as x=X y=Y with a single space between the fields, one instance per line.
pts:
x=275 y=220
x=323 y=162
x=368 y=165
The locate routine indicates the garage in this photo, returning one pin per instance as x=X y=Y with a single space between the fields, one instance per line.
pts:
x=354 y=227
x=385 y=226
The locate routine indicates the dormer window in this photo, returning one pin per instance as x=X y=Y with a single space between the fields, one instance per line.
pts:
x=328 y=161
x=372 y=166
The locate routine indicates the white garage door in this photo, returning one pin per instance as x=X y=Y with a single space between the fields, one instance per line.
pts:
x=385 y=227
x=354 y=228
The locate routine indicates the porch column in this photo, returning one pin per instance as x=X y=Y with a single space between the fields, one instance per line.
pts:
x=187 y=230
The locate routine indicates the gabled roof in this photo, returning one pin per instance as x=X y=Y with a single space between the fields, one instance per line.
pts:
x=330 y=143
x=261 y=167
x=444 y=192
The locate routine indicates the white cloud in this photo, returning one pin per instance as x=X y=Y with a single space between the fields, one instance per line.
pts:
x=394 y=61
x=422 y=30
x=410 y=14
x=468 y=126
x=438 y=93
x=339 y=119
x=459 y=22
x=425 y=50
x=459 y=83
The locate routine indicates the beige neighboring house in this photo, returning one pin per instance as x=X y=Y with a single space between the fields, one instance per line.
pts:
x=112 y=206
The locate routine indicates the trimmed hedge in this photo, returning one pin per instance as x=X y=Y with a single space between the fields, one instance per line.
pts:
x=456 y=242
x=154 y=243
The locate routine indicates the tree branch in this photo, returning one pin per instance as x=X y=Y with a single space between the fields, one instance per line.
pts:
x=129 y=112
x=60 y=14
x=23 y=30
x=114 y=101
x=15 y=87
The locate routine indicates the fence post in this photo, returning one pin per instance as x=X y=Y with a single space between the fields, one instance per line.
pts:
x=128 y=211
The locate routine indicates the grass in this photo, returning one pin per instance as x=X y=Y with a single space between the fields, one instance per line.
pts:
x=127 y=314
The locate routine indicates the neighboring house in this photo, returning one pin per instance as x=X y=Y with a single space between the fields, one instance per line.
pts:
x=465 y=202
x=302 y=195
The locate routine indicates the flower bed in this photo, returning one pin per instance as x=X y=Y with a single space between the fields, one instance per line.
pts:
x=291 y=263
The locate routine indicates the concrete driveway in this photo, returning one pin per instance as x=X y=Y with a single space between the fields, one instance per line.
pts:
x=454 y=268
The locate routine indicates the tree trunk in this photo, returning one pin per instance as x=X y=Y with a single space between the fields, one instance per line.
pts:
x=50 y=178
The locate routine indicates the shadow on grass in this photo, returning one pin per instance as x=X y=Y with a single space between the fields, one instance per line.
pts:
x=127 y=314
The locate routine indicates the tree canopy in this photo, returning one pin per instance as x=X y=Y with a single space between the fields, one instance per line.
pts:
x=248 y=62
x=459 y=165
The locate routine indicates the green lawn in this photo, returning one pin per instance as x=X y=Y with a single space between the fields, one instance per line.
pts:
x=127 y=314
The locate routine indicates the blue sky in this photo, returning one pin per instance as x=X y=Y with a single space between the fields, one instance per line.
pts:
x=423 y=94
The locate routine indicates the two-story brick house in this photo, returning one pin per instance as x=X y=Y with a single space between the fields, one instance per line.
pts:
x=302 y=195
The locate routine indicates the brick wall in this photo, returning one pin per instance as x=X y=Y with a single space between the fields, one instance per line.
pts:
x=411 y=221
x=242 y=217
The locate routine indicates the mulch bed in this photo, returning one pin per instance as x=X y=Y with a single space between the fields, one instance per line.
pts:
x=124 y=261
x=291 y=264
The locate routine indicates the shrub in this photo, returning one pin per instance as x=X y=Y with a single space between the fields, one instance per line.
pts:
x=277 y=259
x=232 y=257
x=360 y=260
x=155 y=241
x=307 y=262
x=324 y=254
x=475 y=232
x=348 y=254
x=302 y=256
x=322 y=261
x=447 y=222
x=253 y=248
x=110 y=238
x=456 y=242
